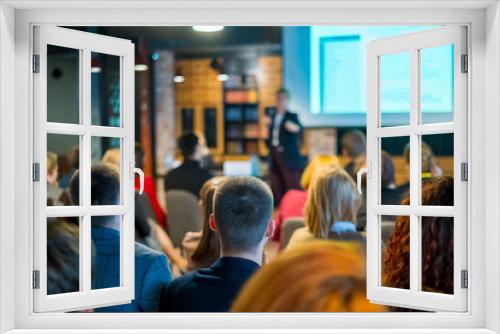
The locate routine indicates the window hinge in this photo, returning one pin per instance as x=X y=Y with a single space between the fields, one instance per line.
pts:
x=36 y=63
x=36 y=172
x=464 y=171
x=465 y=64
x=36 y=279
x=464 y=279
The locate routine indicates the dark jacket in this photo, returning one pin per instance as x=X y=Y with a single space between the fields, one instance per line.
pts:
x=189 y=177
x=210 y=289
x=151 y=271
x=289 y=142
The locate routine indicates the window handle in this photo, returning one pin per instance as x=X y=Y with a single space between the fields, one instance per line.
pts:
x=134 y=170
x=359 y=175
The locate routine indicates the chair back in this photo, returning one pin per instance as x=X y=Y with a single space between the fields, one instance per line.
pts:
x=289 y=226
x=183 y=215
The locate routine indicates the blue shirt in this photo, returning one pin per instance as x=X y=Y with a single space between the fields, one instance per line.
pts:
x=151 y=271
x=210 y=289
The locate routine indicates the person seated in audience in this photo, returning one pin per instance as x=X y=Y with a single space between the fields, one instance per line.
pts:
x=55 y=195
x=69 y=164
x=151 y=267
x=63 y=260
x=353 y=151
x=293 y=202
x=243 y=208
x=320 y=276
x=437 y=243
x=331 y=209
x=148 y=232
x=202 y=248
x=189 y=176
x=149 y=188
x=430 y=166
x=207 y=160
x=391 y=195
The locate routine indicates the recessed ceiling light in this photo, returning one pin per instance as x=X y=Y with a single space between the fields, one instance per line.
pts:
x=208 y=28
x=141 y=67
x=179 y=78
x=222 y=77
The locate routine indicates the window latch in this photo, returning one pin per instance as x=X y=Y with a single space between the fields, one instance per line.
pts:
x=36 y=279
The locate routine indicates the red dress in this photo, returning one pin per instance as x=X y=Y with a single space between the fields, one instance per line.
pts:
x=292 y=205
x=150 y=191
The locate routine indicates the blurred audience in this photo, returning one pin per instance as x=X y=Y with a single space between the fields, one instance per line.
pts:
x=294 y=201
x=56 y=196
x=63 y=257
x=151 y=268
x=321 y=276
x=353 y=151
x=437 y=243
x=189 y=176
x=202 y=248
x=242 y=220
x=331 y=209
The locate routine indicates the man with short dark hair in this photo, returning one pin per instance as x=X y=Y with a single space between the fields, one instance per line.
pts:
x=151 y=268
x=354 y=151
x=242 y=220
x=189 y=176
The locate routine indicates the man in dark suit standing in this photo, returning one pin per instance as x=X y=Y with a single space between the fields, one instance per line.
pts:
x=285 y=136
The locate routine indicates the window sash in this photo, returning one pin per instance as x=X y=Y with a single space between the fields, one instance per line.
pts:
x=85 y=43
x=414 y=298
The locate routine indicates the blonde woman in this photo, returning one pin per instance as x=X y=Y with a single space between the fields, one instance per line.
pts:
x=331 y=209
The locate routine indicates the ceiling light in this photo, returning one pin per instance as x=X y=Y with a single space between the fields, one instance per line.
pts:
x=141 y=67
x=178 y=78
x=208 y=28
x=222 y=77
x=95 y=70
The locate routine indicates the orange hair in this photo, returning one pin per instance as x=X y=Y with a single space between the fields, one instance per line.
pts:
x=319 y=276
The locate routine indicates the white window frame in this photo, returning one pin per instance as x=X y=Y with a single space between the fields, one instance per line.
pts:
x=411 y=44
x=85 y=43
x=16 y=21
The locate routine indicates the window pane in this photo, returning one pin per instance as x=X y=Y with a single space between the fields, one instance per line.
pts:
x=437 y=254
x=63 y=255
x=63 y=161
x=436 y=84
x=394 y=170
x=107 y=150
x=63 y=85
x=395 y=89
x=106 y=252
x=105 y=90
x=437 y=160
x=395 y=237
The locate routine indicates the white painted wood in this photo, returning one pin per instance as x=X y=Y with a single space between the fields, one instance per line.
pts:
x=415 y=297
x=86 y=43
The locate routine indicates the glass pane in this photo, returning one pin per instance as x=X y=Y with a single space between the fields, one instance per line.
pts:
x=106 y=252
x=63 y=161
x=436 y=84
x=395 y=240
x=437 y=254
x=63 y=85
x=395 y=89
x=108 y=151
x=105 y=89
x=394 y=171
x=437 y=161
x=63 y=255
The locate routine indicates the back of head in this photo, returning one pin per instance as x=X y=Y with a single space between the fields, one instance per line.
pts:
x=242 y=210
x=428 y=160
x=104 y=188
x=354 y=144
x=187 y=144
x=437 y=243
x=315 y=166
x=333 y=197
x=387 y=175
x=327 y=277
x=111 y=156
x=208 y=249
x=51 y=162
